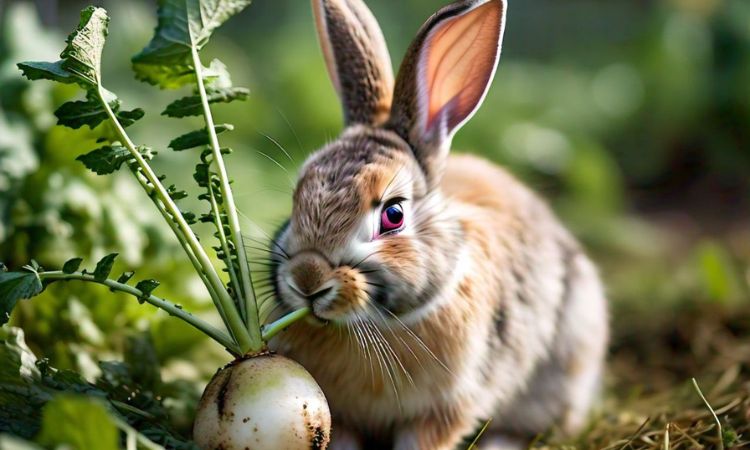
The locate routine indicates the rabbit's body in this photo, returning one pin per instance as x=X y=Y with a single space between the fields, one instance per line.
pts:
x=516 y=334
x=451 y=293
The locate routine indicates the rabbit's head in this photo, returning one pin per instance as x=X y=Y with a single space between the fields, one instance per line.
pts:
x=370 y=234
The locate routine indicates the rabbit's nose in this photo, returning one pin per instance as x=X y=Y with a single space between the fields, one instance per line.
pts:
x=309 y=273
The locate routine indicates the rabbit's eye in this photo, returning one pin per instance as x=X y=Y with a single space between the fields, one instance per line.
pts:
x=391 y=218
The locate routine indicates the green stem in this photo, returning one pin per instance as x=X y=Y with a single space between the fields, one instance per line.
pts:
x=251 y=314
x=272 y=329
x=183 y=243
x=223 y=239
x=234 y=321
x=172 y=309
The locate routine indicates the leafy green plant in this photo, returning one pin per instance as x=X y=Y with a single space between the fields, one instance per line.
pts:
x=171 y=60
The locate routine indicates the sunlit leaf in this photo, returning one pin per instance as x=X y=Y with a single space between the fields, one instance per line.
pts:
x=80 y=61
x=183 y=25
x=78 y=422
x=83 y=55
x=717 y=274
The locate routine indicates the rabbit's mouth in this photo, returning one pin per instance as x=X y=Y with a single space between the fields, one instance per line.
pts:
x=344 y=299
x=333 y=294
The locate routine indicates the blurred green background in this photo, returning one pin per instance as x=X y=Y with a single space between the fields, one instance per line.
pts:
x=631 y=117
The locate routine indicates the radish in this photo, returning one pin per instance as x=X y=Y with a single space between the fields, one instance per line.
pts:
x=259 y=400
x=264 y=402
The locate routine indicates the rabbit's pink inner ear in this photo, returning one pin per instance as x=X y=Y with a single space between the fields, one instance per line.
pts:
x=458 y=63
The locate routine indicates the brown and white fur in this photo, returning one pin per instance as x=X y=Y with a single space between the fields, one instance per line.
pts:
x=482 y=307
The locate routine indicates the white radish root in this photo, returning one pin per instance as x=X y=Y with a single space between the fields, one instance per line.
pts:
x=266 y=402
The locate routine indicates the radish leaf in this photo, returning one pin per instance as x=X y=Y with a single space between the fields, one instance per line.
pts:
x=147 y=286
x=81 y=63
x=104 y=267
x=105 y=160
x=91 y=112
x=183 y=26
x=81 y=59
x=196 y=138
x=72 y=265
x=125 y=277
x=15 y=286
x=191 y=106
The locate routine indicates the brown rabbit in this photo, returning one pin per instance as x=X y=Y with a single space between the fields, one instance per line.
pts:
x=444 y=292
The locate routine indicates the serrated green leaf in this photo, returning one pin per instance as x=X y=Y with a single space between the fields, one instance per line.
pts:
x=192 y=106
x=183 y=25
x=125 y=277
x=91 y=112
x=178 y=195
x=77 y=114
x=105 y=160
x=78 y=422
x=42 y=70
x=16 y=286
x=201 y=174
x=197 y=138
x=80 y=61
x=83 y=55
x=128 y=118
x=175 y=193
x=147 y=286
x=104 y=267
x=72 y=265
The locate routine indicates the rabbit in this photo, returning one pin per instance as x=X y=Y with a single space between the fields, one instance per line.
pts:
x=445 y=295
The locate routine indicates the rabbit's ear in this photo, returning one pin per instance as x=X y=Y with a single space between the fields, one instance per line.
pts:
x=445 y=76
x=357 y=59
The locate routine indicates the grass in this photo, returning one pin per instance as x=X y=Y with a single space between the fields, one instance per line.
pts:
x=677 y=380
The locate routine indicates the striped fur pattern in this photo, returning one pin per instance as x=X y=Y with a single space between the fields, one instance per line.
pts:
x=481 y=307
x=353 y=46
